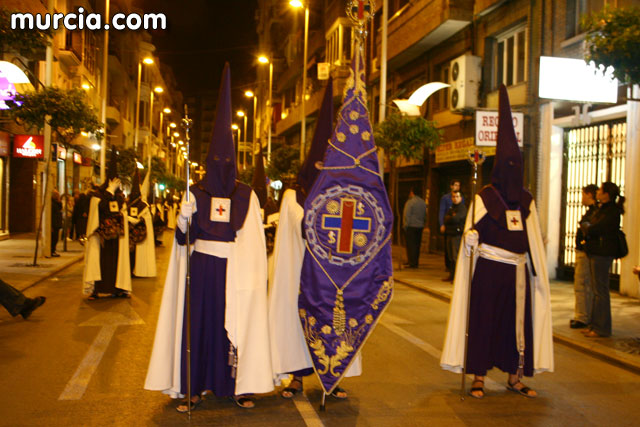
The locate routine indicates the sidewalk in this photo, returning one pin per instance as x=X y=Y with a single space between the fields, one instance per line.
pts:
x=622 y=349
x=16 y=260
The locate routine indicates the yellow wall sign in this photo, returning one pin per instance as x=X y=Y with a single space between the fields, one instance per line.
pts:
x=453 y=151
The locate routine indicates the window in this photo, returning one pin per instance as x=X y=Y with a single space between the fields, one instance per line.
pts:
x=441 y=97
x=339 y=42
x=510 y=58
x=576 y=9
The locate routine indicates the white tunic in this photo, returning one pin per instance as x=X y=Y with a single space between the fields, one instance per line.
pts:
x=454 y=343
x=91 y=272
x=245 y=314
x=146 y=251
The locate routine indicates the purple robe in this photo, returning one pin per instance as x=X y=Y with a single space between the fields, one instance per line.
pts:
x=210 y=347
x=492 y=334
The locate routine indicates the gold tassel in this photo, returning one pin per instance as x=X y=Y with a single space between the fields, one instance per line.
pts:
x=339 y=315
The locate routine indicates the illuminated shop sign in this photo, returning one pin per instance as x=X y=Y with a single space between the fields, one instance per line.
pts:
x=77 y=158
x=28 y=146
x=487 y=127
x=12 y=81
x=575 y=80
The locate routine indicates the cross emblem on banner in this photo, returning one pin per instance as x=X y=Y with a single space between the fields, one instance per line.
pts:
x=346 y=224
x=514 y=221
x=220 y=210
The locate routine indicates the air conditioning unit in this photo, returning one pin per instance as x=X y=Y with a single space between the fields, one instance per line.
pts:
x=465 y=73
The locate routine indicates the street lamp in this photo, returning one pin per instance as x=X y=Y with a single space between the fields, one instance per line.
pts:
x=264 y=60
x=147 y=61
x=158 y=90
x=235 y=127
x=250 y=94
x=298 y=4
x=241 y=113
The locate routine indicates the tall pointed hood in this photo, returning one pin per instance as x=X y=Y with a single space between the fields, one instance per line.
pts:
x=308 y=171
x=508 y=170
x=112 y=166
x=220 y=179
x=259 y=181
x=144 y=190
x=135 y=186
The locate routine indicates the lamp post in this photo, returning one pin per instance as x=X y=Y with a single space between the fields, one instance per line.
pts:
x=298 y=4
x=264 y=60
x=250 y=94
x=103 y=86
x=158 y=90
x=147 y=61
x=237 y=128
x=242 y=114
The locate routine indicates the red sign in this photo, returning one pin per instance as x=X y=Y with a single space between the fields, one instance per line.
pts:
x=77 y=158
x=86 y=161
x=4 y=144
x=28 y=146
x=62 y=152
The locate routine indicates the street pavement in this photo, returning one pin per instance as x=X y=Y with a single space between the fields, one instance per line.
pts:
x=79 y=362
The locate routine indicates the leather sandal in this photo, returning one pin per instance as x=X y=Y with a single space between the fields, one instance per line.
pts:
x=184 y=407
x=524 y=390
x=292 y=391
x=476 y=389
x=244 y=402
x=336 y=391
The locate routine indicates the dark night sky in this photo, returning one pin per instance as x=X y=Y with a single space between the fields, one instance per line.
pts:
x=201 y=36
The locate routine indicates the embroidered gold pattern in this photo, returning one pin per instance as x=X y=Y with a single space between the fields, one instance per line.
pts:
x=360 y=240
x=333 y=207
x=368 y=319
x=341 y=136
x=354 y=129
x=366 y=136
x=326 y=329
x=353 y=115
x=383 y=293
x=353 y=322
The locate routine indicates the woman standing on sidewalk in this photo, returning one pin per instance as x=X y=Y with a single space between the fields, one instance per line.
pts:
x=601 y=246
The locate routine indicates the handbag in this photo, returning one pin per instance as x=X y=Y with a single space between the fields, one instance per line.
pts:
x=622 y=249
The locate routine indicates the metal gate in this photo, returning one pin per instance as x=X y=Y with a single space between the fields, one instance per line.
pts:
x=593 y=155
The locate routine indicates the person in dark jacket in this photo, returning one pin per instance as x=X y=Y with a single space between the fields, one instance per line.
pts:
x=16 y=302
x=56 y=221
x=601 y=246
x=454 y=220
x=582 y=286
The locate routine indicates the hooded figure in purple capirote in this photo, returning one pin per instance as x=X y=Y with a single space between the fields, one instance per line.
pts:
x=510 y=312
x=229 y=335
x=346 y=279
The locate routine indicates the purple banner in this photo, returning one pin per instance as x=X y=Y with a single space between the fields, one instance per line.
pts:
x=346 y=279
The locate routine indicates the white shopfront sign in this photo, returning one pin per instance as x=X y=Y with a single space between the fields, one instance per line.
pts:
x=487 y=128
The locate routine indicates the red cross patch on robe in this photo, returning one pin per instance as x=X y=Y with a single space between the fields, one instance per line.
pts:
x=220 y=209
x=514 y=220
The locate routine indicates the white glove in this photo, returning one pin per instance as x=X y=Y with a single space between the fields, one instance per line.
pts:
x=187 y=208
x=186 y=211
x=471 y=238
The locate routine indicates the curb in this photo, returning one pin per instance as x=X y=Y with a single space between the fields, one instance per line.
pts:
x=620 y=362
x=53 y=272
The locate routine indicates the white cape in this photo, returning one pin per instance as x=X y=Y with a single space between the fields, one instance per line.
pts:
x=245 y=316
x=289 y=351
x=92 y=272
x=146 y=251
x=171 y=216
x=454 y=343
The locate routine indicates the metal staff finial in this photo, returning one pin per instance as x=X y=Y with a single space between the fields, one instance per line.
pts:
x=361 y=12
x=476 y=158
x=187 y=123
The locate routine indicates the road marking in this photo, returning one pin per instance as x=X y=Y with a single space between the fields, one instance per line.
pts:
x=389 y=322
x=109 y=321
x=309 y=415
